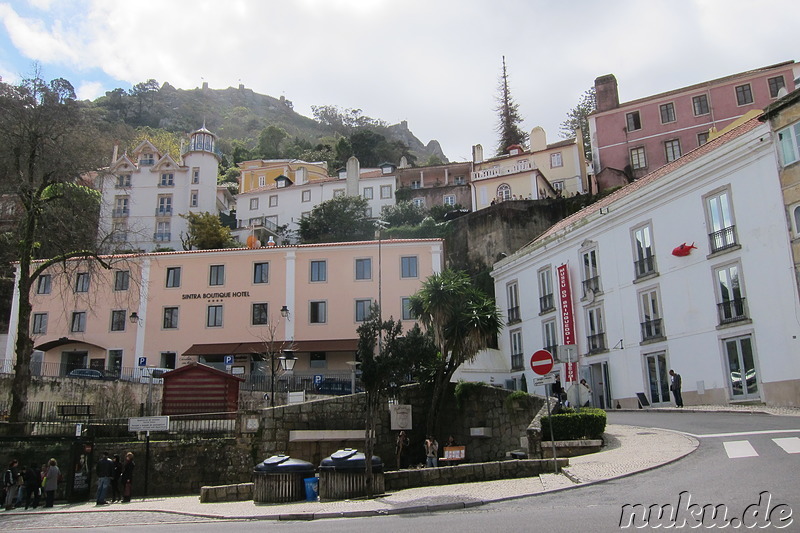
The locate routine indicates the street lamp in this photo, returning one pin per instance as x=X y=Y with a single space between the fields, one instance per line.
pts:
x=288 y=360
x=285 y=312
x=134 y=318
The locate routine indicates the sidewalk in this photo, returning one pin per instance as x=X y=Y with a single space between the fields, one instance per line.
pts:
x=629 y=450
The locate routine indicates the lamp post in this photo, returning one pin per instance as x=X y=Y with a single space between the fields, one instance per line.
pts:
x=286 y=361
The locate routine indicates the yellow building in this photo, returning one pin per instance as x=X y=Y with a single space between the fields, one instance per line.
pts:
x=259 y=173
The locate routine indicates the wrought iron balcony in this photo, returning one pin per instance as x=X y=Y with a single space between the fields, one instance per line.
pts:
x=722 y=239
x=119 y=213
x=652 y=329
x=161 y=237
x=546 y=303
x=732 y=311
x=645 y=267
x=597 y=343
x=517 y=361
x=513 y=315
x=164 y=212
x=591 y=285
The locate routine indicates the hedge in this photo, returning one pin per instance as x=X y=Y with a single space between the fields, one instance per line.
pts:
x=585 y=423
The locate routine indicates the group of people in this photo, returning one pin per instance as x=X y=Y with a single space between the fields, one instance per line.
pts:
x=431 y=448
x=27 y=485
x=111 y=474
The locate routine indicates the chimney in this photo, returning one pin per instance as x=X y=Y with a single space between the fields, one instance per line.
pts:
x=605 y=88
x=116 y=152
x=353 y=175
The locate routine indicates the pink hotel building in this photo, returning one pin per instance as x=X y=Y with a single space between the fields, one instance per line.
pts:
x=634 y=138
x=172 y=308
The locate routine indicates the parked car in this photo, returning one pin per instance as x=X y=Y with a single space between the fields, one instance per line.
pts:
x=87 y=373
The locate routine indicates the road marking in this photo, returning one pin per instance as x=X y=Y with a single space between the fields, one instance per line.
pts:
x=739 y=448
x=789 y=444
x=742 y=433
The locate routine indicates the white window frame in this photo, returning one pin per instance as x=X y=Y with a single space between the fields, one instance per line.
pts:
x=789 y=144
x=273 y=200
x=407 y=264
x=556 y=160
x=39 y=324
x=700 y=105
x=545 y=280
x=668 y=109
x=253 y=204
x=170 y=317
x=672 y=149
x=650 y=310
x=364 y=273
x=306 y=196
x=194 y=198
x=261 y=272
x=214 y=316
x=386 y=192
x=322 y=312
x=366 y=193
x=638 y=157
x=449 y=199
x=362 y=307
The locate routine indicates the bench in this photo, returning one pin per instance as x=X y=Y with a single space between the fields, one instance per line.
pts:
x=454 y=454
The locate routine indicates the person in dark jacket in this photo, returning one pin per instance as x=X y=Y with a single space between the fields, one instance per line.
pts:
x=105 y=471
x=33 y=486
x=127 y=477
x=115 y=495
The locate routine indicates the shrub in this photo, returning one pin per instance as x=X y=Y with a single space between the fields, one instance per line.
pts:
x=586 y=423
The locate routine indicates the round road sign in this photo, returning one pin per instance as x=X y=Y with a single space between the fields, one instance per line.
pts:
x=542 y=362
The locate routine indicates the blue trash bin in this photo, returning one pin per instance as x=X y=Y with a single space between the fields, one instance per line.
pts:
x=312 y=489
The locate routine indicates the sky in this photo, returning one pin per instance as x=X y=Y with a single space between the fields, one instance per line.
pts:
x=433 y=63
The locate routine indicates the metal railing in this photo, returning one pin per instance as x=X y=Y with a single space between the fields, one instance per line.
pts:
x=732 y=311
x=722 y=239
x=597 y=343
x=645 y=266
x=516 y=361
x=513 y=314
x=546 y=303
x=651 y=329
x=591 y=285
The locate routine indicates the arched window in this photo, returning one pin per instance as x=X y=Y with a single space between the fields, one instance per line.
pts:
x=796 y=219
x=504 y=192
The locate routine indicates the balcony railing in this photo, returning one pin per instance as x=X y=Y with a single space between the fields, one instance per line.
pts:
x=162 y=237
x=516 y=361
x=651 y=329
x=722 y=239
x=732 y=311
x=546 y=303
x=163 y=211
x=513 y=315
x=645 y=267
x=597 y=343
x=591 y=285
x=118 y=213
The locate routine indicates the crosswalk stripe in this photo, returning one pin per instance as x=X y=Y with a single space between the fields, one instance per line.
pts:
x=789 y=444
x=739 y=448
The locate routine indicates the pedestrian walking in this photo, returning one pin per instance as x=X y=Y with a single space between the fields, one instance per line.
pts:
x=51 y=479
x=115 y=495
x=127 y=477
x=11 y=484
x=585 y=392
x=33 y=486
x=105 y=471
x=675 y=387
x=431 y=452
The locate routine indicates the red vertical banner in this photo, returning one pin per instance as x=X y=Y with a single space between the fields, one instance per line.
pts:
x=565 y=294
x=571 y=371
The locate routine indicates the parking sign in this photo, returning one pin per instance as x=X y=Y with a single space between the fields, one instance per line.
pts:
x=143 y=361
x=228 y=359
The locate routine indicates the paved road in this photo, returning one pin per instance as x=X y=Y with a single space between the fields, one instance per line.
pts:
x=722 y=471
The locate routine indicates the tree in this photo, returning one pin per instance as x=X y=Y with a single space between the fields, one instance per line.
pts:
x=269 y=142
x=509 y=125
x=578 y=117
x=166 y=141
x=340 y=219
x=144 y=93
x=48 y=140
x=403 y=214
x=206 y=232
x=462 y=320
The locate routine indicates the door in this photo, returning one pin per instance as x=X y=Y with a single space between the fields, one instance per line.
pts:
x=72 y=360
x=741 y=368
x=600 y=385
x=657 y=377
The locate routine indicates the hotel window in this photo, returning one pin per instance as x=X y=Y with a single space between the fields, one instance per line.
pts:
x=590 y=272
x=39 y=324
x=504 y=192
x=164 y=205
x=644 y=259
x=700 y=104
x=121 y=206
x=719 y=214
x=118 y=319
x=744 y=94
x=147 y=160
x=194 y=198
x=195 y=174
x=214 y=316
x=672 y=149
x=702 y=138
x=162 y=232
x=273 y=200
x=450 y=200
x=173 y=277
x=364 y=268
x=362 y=309
x=82 y=282
x=550 y=337
x=216 y=275
x=260 y=314
x=596 y=337
x=633 y=121
x=638 y=159
x=555 y=160
x=789 y=142
x=168 y=359
x=78 y=323
x=262 y=181
x=515 y=337
x=123 y=181
x=170 y=318
x=408 y=267
x=338 y=193
x=317 y=312
x=386 y=191
x=775 y=85
x=650 y=315
x=306 y=196
x=512 y=292
x=367 y=194
x=546 y=300
x=253 y=204
x=667 y=112
x=407 y=313
x=319 y=271
x=261 y=273
x=122 y=280
x=167 y=180
x=730 y=294
x=44 y=284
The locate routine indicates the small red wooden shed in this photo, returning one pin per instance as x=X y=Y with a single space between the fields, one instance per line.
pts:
x=198 y=388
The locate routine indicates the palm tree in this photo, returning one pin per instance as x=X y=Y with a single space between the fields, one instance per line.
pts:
x=463 y=320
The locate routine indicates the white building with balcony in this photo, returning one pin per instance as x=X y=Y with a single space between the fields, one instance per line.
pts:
x=145 y=192
x=688 y=268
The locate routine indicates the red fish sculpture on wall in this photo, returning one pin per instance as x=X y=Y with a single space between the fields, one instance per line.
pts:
x=683 y=250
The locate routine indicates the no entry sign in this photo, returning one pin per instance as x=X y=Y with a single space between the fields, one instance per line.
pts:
x=542 y=362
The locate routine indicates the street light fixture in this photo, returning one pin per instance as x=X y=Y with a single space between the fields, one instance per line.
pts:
x=285 y=312
x=288 y=360
x=134 y=318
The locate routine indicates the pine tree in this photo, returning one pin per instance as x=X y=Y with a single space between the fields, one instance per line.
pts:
x=578 y=117
x=508 y=128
